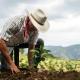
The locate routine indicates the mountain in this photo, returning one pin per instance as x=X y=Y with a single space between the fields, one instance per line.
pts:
x=70 y=52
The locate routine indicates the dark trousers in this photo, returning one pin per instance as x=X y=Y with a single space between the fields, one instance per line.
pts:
x=16 y=55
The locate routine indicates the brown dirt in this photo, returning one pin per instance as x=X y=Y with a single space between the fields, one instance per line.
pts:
x=27 y=74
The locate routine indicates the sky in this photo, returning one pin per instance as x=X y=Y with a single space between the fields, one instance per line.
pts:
x=63 y=17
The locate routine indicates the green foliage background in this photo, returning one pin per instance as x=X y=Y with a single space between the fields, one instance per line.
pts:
x=52 y=63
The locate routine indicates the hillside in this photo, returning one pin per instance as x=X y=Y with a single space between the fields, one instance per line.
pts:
x=70 y=52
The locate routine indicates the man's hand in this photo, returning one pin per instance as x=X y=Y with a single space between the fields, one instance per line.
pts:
x=14 y=68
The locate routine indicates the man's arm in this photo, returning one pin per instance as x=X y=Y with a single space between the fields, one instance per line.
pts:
x=32 y=42
x=30 y=55
x=5 y=53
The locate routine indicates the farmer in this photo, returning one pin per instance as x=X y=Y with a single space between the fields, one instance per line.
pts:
x=21 y=29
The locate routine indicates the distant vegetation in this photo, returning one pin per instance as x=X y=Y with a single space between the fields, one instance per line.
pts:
x=52 y=63
x=68 y=52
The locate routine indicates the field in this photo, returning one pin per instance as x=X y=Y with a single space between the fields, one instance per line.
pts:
x=52 y=63
x=42 y=75
x=52 y=68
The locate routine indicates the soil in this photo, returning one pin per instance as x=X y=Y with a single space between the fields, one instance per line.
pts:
x=27 y=74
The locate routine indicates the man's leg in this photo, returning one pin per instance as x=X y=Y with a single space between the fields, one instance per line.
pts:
x=3 y=63
x=39 y=47
x=39 y=43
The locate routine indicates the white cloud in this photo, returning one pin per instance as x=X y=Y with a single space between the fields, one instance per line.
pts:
x=63 y=31
x=64 y=24
x=51 y=7
x=63 y=39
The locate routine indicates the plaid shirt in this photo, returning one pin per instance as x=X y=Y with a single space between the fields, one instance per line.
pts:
x=13 y=32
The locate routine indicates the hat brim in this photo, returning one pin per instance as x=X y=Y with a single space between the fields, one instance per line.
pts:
x=41 y=28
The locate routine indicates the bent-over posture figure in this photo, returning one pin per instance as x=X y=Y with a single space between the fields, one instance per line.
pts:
x=21 y=29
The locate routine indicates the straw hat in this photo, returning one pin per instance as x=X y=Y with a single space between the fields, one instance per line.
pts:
x=39 y=20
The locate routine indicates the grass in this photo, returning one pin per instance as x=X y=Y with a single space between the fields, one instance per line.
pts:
x=53 y=63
